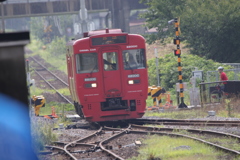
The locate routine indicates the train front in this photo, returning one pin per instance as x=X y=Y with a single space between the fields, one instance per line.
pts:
x=110 y=76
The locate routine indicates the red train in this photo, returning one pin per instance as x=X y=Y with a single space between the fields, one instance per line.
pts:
x=107 y=74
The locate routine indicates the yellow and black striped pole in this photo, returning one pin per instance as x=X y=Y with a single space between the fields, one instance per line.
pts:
x=178 y=53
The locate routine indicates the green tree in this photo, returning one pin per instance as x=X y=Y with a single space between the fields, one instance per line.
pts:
x=209 y=27
x=169 y=71
x=53 y=23
x=158 y=14
x=36 y=27
x=57 y=46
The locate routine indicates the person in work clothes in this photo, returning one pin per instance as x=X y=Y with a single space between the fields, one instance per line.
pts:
x=38 y=101
x=223 y=77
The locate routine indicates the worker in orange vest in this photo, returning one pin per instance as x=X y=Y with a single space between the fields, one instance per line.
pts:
x=38 y=101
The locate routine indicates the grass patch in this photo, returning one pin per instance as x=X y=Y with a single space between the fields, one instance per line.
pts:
x=170 y=148
x=64 y=91
x=228 y=108
x=36 y=91
x=223 y=141
x=185 y=114
x=224 y=113
x=149 y=101
x=60 y=108
x=51 y=54
x=42 y=134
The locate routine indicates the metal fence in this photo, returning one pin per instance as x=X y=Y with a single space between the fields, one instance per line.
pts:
x=233 y=74
x=212 y=92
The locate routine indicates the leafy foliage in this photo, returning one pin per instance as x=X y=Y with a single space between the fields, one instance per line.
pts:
x=169 y=71
x=53 y=53
x=56 y=25
x=42 y=134
x=57 y=46
x=158 y=15
x=209 y=27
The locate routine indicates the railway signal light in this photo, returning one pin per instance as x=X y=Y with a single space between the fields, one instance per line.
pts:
x=177 y=52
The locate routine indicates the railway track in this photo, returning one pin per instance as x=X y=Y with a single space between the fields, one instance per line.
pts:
x=50 y=78
x=57 y=83
x=165 y=131
x=89 y=146
x=121 y=143
x=186 y=122
x=113 y=143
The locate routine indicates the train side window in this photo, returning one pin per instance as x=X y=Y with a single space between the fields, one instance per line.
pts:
x=134 y=59
x=87 y=63
x=110 y=61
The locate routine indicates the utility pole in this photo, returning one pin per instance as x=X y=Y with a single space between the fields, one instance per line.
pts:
x=83 y=16
x=156 y=56
x=2 y=13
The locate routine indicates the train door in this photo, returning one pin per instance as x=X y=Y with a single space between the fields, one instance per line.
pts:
x=111 y=73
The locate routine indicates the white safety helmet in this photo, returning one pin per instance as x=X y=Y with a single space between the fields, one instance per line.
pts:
x=220 y=68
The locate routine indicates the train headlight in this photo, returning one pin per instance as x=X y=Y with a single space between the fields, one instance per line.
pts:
x=94 y=84
x=91 y=85
x=136 y=81
x=130 y=82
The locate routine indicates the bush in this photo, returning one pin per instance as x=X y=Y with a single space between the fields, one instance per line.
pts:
x=57 y=46
x=168 y=67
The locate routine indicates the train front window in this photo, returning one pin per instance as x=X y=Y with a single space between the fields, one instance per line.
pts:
x=134 y=59
x=87 y=63
x=110 y=61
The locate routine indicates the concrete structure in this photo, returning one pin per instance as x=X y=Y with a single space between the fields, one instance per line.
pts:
x=118 y=10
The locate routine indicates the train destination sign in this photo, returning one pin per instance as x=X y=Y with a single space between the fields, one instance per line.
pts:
x=109 y=40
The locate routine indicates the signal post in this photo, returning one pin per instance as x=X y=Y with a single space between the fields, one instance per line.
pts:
x=177 y=52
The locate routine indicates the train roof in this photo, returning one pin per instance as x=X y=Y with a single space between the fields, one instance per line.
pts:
x=86 y=35
x=102 y=31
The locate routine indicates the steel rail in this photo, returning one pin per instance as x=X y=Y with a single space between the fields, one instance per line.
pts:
x=189 y=130
x=75 y=144
x=189 y=137
x=50 y=72
x=197 y=124
x=81 y=139
x=49 y=83
x=158 y=131
x=54 y=88
x=55 y=147
x=112 y=137
x=186 y=122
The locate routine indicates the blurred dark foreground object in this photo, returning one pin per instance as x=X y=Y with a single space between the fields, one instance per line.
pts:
x=15 y=137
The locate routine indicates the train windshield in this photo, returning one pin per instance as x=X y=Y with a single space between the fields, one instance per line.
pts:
x=86 y=63
x=110 y=61
x=134 y=59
